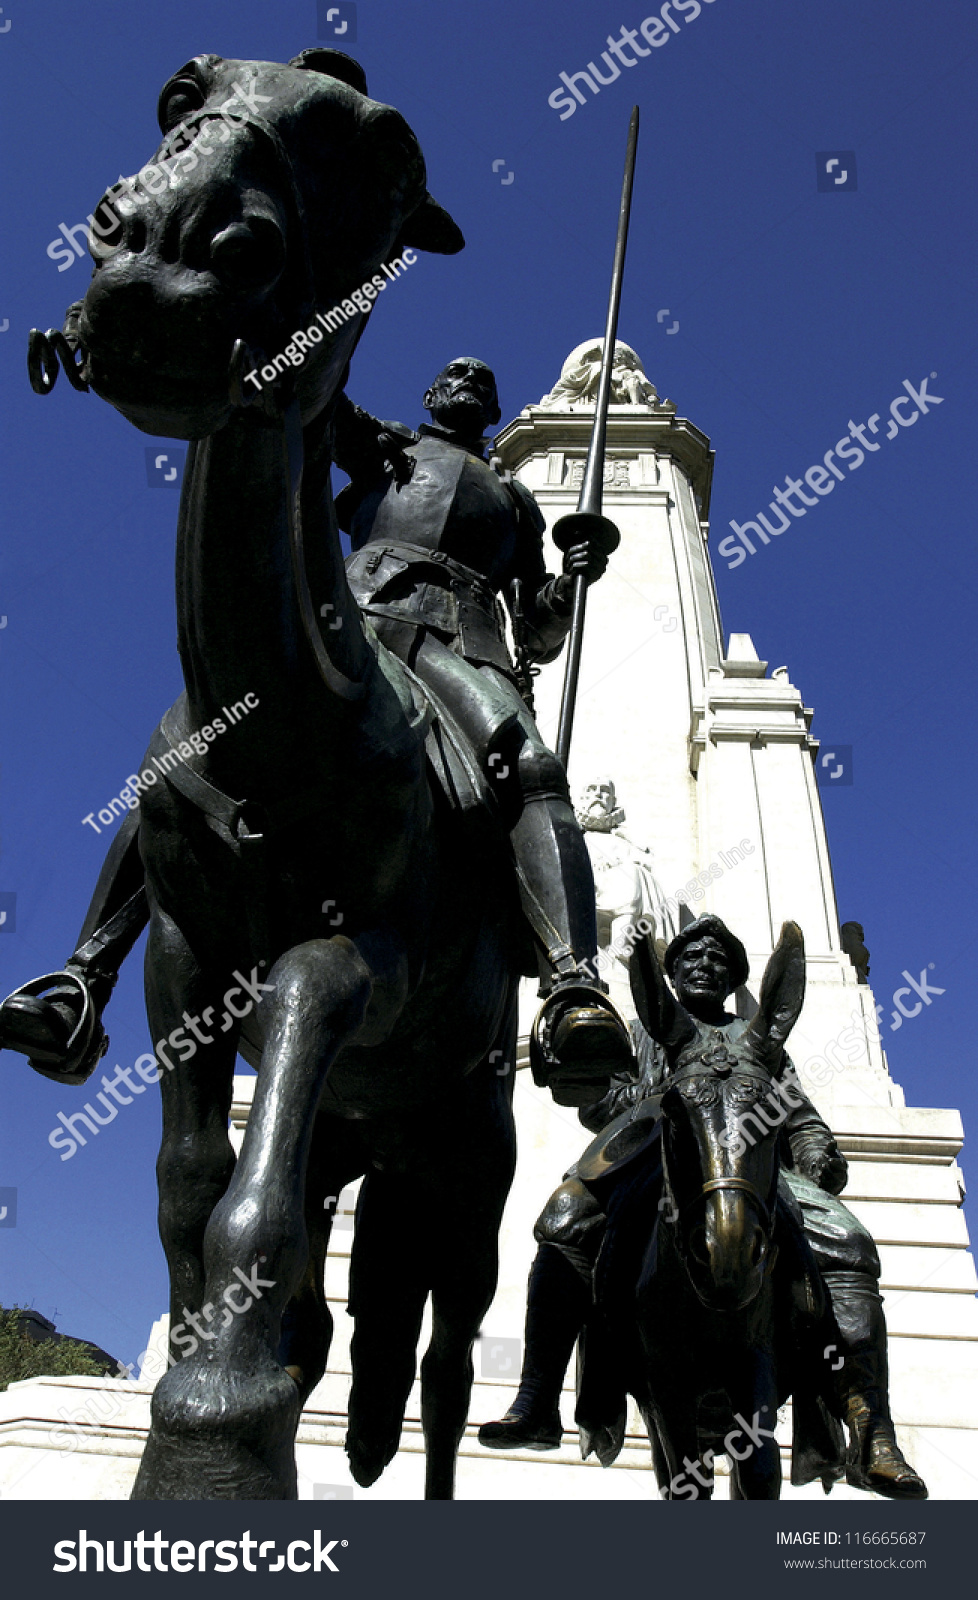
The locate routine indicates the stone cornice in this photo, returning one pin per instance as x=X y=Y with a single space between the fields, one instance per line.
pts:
x=536 y=432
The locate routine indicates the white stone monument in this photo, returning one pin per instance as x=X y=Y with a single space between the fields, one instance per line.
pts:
x=712 y=767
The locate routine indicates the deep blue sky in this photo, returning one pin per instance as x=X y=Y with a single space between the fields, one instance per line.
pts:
x=797 y=311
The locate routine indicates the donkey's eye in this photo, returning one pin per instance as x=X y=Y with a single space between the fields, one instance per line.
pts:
x=178 y=100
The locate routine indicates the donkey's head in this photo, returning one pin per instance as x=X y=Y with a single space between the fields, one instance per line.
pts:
x=277 y=192
x=721 y=1110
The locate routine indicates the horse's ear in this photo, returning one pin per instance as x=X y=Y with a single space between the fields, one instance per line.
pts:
x=431 y=228
x=782 y=988
x=335 y=64
x=669 y=1023
x=395 y=158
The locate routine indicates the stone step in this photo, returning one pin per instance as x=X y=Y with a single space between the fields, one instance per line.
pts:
x=934 y=1268
x=904 y=1182
x=892 y=1222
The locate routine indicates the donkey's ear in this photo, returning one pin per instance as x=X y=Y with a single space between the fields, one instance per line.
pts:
x=782 y=988
x=669 y=1023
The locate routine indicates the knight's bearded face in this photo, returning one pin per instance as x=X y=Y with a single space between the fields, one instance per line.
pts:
x=463 y=398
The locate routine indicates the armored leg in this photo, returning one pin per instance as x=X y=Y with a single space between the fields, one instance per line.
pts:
x=56 y=1021
x=579 y=1040
x=569 y=1233
x=850 y=1268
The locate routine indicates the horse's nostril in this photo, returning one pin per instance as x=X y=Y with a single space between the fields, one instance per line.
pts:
x=107 y=226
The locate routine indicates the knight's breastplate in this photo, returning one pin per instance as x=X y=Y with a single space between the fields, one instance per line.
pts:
x=454 y=504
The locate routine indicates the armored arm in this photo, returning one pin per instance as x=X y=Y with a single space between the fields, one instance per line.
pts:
x=546 y=600
x=366 y=448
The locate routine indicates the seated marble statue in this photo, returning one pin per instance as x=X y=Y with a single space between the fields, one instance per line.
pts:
x=578 y=381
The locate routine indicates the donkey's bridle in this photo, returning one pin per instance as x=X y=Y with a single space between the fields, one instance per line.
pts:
x=717 y=1185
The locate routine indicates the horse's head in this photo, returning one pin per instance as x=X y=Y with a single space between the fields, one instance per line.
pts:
x=721 y=1113
x=277 y=192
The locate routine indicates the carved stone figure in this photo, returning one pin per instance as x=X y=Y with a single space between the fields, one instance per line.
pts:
x=578 y=382
x=853 y=944
x=625 y=887
x=590 y=1241
x=617 y=473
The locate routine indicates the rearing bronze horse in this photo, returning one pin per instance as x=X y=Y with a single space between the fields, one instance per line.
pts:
x=310 y=842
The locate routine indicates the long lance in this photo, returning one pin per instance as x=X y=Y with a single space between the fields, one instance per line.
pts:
x=587 y=522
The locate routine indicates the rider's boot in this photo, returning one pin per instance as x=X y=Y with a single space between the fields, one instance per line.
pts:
x=874 y=1461
x=558 y=1300
x=56 y=1020
x=579 y=1040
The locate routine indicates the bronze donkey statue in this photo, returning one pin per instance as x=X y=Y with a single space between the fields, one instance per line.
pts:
x=709 y=1307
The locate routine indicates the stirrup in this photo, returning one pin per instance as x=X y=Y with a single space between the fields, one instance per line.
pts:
x=578 y=1042
x=72 y=1062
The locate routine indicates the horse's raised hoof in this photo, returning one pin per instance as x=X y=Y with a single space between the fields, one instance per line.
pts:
x=216 y=1435
x=55 y=1023
x=516 y=1431
x=877 y=1464
x=578 y=1043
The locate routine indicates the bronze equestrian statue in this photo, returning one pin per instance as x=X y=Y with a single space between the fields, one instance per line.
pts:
x=356 y=840
x=705 y=963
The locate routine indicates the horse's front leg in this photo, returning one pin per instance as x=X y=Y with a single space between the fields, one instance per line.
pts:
x=750 y=1445
x=224 y=1419
x=196 y=1067
x=688 y=1475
